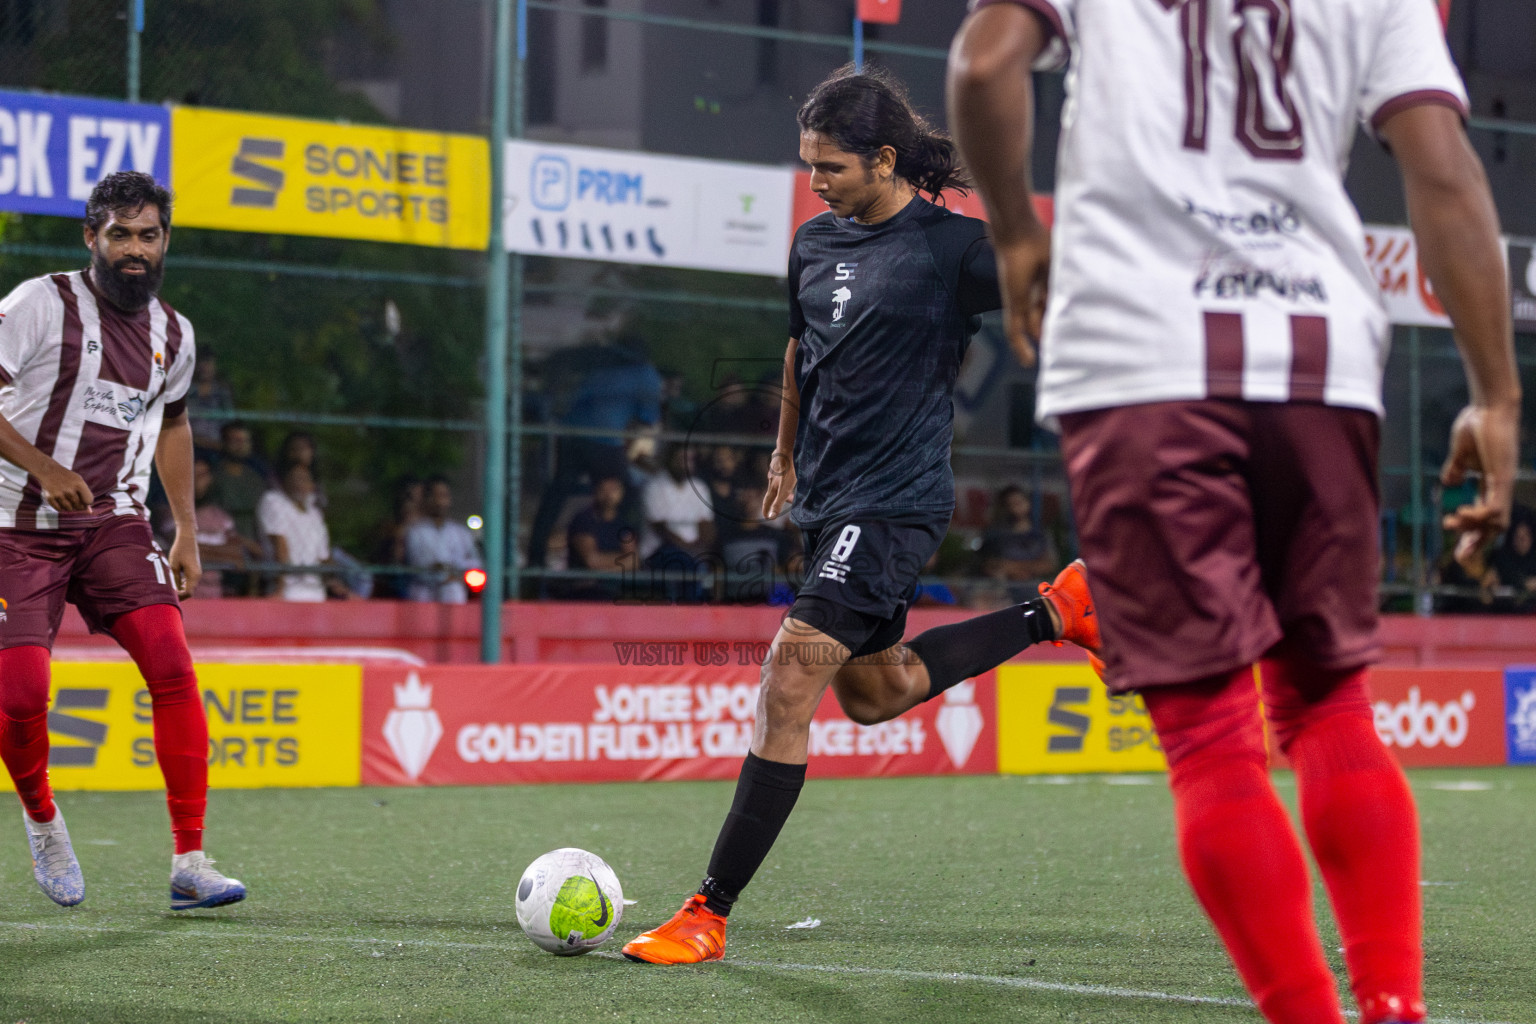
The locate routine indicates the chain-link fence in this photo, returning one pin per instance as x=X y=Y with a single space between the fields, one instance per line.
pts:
x=376 y=350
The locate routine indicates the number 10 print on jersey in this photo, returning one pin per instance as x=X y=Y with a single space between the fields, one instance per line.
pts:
x=1263 y=34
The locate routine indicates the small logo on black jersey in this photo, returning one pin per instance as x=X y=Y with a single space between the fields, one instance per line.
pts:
x=840 y=302
x=845 y=271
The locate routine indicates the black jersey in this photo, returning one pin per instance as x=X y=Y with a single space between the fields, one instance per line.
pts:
x=884 y=313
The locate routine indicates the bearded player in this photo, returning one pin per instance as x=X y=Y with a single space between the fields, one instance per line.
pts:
x=94 y=372
x=1213 y=350
x=883 y=290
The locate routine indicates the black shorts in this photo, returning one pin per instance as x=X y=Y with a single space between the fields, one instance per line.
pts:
x=861 y=575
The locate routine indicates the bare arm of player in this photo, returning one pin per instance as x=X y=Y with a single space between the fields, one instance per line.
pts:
x=781 y=464
x=173 y=460
x=64 y=489
x=990 y=99
x=1457 y=227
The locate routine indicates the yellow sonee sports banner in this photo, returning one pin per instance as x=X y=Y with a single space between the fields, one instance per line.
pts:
x=1059 y=719
x=251 y=172
x=268 y=725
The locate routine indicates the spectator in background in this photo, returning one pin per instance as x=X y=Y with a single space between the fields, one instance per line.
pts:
x=239 y=478
x=623 y=390
x=439 y=548
x=600 y=539
x=724 y=476
x=217 y=542
x=679 y=526
x=208 y=401
x=299 y=448
x=755 y=552
x=1512 y=567
x=293 y=524
x=678 y=517
x=389 y=541
x=1013 y=550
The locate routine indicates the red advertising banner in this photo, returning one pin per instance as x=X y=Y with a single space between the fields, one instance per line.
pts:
x=881 y=12
x=1431 y=717
x=472 y=725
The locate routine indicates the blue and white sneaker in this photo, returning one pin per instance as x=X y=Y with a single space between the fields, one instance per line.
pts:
x=53 y=860
x=195 y=885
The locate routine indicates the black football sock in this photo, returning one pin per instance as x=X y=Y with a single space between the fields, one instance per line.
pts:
x=765 y=794
x=965 y=649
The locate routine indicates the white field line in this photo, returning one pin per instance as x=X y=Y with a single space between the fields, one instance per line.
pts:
x=1003 y=981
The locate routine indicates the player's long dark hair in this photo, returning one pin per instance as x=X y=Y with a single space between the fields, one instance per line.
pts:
x=862 y=111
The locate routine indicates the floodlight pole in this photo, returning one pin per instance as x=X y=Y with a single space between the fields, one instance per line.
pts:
x=135 y=30
x=515 y=329
x=496 y=351
x=858 y=43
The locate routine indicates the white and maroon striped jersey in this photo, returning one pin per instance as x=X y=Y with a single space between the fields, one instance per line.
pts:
x=1204 y=245
x=89 y=385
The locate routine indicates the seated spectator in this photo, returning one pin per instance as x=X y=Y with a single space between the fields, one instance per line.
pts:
x=239 y=478
x=295 y=527
x=677 y=514
x=679 y=527
x=723 y=473
x=217 y=542
x=388 y=547
x=601 y=540
x=1512 y=568
x=299 y=447
x=207 y=399
x=1013 y=550
x=440 y=548
x=755 y=553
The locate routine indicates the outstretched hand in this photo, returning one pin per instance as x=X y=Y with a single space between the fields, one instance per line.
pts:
x=1484 y=440
x=1023 y=272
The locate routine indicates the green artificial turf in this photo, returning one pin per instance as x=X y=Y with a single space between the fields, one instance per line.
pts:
x=974 y=899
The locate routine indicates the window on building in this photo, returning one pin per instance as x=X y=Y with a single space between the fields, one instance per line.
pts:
x=594 y=39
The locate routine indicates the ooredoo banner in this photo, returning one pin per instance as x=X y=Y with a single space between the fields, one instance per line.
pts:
x=295 y=725
x=54 y=149
x=1446 y=717
x=470 y=725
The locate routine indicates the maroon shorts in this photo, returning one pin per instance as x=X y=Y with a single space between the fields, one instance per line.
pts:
x=1217 y=532
x=104 y=570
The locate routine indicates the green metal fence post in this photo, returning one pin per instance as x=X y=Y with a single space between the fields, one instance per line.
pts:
x=135 y=30
x=515 y=331
x=496 y=355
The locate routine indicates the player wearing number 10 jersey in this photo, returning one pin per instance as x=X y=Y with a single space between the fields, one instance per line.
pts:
x=94 y=372
x=1213 y=346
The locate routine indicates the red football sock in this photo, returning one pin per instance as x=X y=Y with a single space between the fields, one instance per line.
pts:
x=1240 y=853
x=153 y=637
x=24 y=726
x=1363 y=829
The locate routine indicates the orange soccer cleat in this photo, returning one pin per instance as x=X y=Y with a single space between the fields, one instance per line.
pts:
x=694 y=934
x=1069 y=595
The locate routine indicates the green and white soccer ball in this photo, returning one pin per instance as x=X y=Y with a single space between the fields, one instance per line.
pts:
x=569 y=901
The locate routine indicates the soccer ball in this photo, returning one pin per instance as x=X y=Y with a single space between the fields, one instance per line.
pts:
x=569 y=902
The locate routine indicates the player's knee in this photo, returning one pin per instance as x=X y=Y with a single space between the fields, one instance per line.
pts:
x=786 y=698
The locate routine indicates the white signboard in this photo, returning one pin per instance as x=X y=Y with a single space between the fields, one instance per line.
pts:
x=601 y=204
x=1393 y=258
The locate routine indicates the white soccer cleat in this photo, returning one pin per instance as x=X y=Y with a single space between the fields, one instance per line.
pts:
x=53 y=860
x=195 y=885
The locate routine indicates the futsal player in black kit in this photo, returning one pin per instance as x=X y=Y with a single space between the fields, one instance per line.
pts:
x=883 y=292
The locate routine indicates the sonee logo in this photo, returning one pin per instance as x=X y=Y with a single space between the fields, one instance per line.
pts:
x=269 y=178
x=94 y=734
x=1075 y=722
x=4 y=607
x=836 y=567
